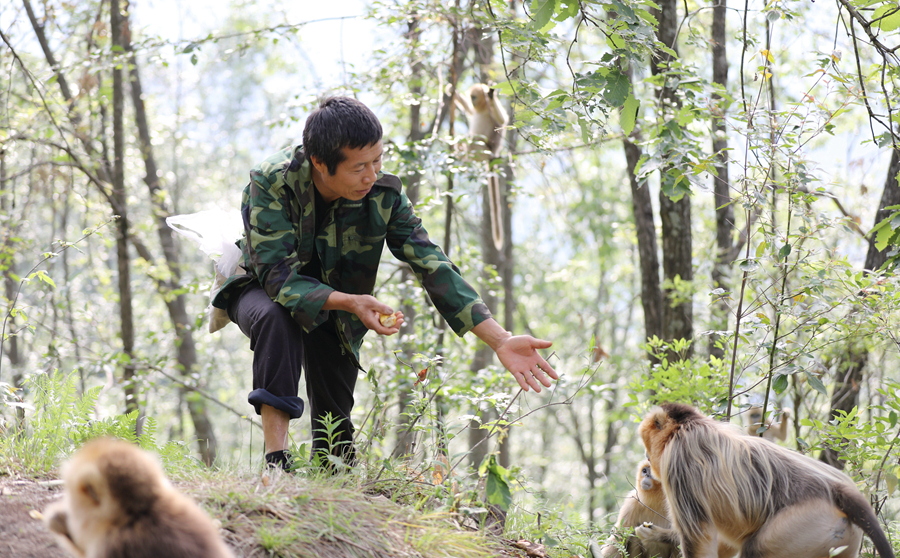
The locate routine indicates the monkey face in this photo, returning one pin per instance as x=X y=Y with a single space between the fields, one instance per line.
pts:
x=355 y=175
x=655 y=431
x=479 y=95
x=57 y=519
x=755 y=417
x=646 y=477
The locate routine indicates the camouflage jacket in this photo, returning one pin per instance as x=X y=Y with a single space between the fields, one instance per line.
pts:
x=279 y=237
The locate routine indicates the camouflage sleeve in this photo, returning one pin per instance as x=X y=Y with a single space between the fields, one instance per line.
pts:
x=272 y=242
x=453 y=297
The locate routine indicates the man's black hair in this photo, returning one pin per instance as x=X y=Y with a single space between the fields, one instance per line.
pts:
x=339 y=122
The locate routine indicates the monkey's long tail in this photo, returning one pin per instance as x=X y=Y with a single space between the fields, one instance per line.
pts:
x=860 y=512
x=496 y=209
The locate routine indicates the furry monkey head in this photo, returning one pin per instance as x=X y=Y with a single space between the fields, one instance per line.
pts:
x=480 y=94
x=660 y=425
x=646 y=480
x=118 y=502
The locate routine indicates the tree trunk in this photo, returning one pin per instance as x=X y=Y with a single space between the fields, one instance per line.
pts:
x=405 y=437
x=507 y=262
x=645 y=229
x=68 y=314
x=648 y=252
x=7 y=205
x=186 y=352
x=105 y=173
x=889 y=197
x=506 y=265
x=850 y=372
x=483 y=47
x=675 y=216
x=126 y=313
x=585 y=446
x=721 y=272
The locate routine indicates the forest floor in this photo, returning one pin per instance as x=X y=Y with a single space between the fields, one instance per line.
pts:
x=24 y=535
x=22 y=531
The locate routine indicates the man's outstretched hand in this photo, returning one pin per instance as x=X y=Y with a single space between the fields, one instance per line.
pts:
x=518 y=354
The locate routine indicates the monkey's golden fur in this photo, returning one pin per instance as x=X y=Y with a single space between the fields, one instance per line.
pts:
x=768 y=501
x=486 y=117
x=119 y=504
x=646 y=503
x=773 y=429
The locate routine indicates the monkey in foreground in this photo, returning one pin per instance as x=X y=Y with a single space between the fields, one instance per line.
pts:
x=646 y=503
x=774 y=430
x=756 y=496
x=119 y=504
x=486 y=118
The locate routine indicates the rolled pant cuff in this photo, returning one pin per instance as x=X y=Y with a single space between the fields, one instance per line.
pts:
x=293 y=406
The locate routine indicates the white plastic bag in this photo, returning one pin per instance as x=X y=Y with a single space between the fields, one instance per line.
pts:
x=214 y=231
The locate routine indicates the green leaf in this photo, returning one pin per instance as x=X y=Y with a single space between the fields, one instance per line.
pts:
x=585 y=130
x=780 y=383
x=617 y=88
x=615 y=41
x=816 y=384
x=570 y=10
x=647 y=16
x=542 y=13
x=784 y=252
x=887 y=17
x=749 y=265
x=629 y=114
x=891 y=483
x=883 y=232
x=497 y=490
x=44 y=278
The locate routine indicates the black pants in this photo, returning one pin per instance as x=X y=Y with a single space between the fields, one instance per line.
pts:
x=280 y=347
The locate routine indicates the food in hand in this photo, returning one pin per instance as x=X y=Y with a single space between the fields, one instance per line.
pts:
x=388 y=320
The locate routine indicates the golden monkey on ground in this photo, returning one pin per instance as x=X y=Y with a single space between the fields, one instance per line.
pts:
x=486 y=117
x=752 y=494
x=119 y=504
x=646 y=503
x=774 y=429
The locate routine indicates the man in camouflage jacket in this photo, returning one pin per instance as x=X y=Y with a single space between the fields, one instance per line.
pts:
x=316 y=219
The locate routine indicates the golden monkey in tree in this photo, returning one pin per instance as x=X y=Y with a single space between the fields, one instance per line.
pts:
x=752 y=494
x=774 y=430
x=486 y=117
x=646 y=503
x=118 y=504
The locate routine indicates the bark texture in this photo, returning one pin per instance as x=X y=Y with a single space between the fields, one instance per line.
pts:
x=850 y=373
x=675 y=216
x=126 y=312
x=185 y=348
x=721 y=272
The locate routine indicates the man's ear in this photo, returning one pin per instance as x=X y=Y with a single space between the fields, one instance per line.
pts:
x=318 y=164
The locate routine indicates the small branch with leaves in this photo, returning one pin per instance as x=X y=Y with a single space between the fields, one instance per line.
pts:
x=42 y=276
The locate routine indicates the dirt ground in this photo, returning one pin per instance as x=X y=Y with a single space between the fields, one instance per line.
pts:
x=22 y=532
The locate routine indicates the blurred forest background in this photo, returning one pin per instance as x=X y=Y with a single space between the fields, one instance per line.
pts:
x=699 y=205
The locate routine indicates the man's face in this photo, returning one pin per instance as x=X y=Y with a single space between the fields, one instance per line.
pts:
x=354 y=176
